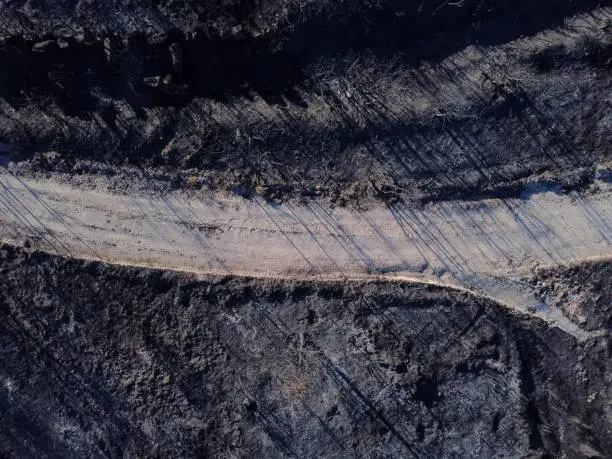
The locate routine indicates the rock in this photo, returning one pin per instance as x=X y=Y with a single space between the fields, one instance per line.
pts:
x=250 y=405
x=80 y=37
x=166 y=84
x=108 y=49
x=171 y=88
x=64 y=32
x=152 y=82
x=237 y=32
x=62 y=43
x=84 y=36
x=252 y=31
x=43 y=46
x=176 y=55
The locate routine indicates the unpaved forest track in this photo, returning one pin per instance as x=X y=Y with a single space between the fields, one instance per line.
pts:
x=306 y=228
x=485 y=246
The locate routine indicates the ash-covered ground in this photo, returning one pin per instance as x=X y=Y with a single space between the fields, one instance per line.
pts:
x=347 y=101
x=343 y=103
x=103 y=361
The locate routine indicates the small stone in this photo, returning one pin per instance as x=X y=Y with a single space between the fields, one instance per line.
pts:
x=250 y=405
x=62 y=43
x=42 y=46
x=152 y=82
x=64 y=33
x=237 y=32
x=108 y=49
x=176 y=55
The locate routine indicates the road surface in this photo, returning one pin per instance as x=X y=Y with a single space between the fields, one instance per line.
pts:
x=484 y=246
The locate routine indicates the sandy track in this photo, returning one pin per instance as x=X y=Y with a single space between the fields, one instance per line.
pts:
x=482 y=246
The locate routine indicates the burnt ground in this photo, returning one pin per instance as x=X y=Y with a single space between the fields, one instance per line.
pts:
x=583 y=292
x=348 y=100
x=99 y=360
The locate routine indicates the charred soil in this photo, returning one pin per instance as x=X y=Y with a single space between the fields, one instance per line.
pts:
x=347 y=100
x=352 y=102
x=103 y=361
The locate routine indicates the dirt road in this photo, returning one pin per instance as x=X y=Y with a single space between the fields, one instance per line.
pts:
x=484 y=246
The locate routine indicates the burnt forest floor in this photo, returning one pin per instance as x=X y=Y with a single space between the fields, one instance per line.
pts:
x=102 y=361
x=347 y=102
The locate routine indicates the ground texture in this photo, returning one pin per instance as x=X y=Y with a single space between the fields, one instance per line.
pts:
x=346 y=100
x=103 y=361
x=305 y=228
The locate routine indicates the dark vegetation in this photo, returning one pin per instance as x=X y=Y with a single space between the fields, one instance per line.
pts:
x=104 y=361
x=342 y=99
